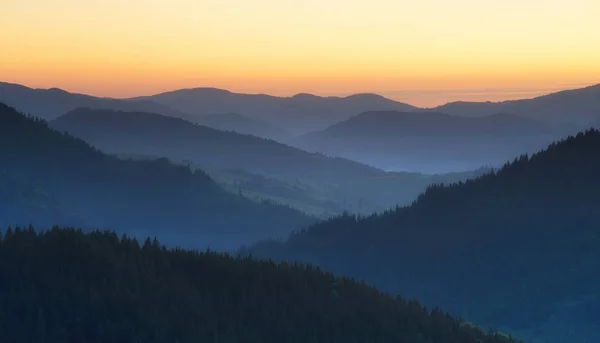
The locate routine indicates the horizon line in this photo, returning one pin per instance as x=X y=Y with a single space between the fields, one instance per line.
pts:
x=534 y=92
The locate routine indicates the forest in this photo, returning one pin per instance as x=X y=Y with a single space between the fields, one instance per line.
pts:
x=515 y=248
x=64 y=285
x=48 y=178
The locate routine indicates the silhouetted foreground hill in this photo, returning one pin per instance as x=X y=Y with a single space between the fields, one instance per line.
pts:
x=430 y=142
x=298 y=114
x=52 y=103
x=137 y=197
x=517 y=248
x=64 y=286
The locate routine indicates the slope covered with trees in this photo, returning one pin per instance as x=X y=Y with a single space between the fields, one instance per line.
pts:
x=329 y=183
x=65 y=286
x=139 y=197
x=516 y=248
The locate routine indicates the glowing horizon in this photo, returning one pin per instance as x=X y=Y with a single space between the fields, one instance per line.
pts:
x=424 y=53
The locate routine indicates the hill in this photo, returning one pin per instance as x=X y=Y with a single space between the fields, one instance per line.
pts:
x=516 y=248
x=64 y=286
x=243 y=124
x=580 y=106
x=52 y=103
x=300 y=179
x=138 y=197
x=298 y=114
x=430 y=142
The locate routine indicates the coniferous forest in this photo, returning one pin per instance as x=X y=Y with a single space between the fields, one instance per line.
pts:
x=50 y=178
x=516 y=248
x=66 y=286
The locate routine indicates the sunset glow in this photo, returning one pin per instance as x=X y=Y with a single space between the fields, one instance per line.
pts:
x=422 y=52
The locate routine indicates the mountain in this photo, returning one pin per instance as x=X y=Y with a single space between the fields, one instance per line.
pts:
x=312 y=182
x=154 y=134
x=65 y=286
x=52 y=103
x=138 y=197
x=243 y=124
x=579 y=106
x=516 y=248
x=298 y=114
x=430 y=142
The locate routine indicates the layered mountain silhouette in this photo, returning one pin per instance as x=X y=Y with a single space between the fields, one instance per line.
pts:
x=52 y=103
x=244 y=125
x=301 y=113
x=298 y=114
x=578 y=106
x=331 y=184
x=58 y=173
x=516 y=248
x=430 y=141
x=153 y=134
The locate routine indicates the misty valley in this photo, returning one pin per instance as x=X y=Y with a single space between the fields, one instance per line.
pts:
x=203 y=215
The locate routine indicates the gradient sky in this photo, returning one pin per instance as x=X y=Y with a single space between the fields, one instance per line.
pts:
x=423 y=52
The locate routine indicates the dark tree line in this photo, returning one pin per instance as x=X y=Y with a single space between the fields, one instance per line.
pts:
x=48 y=178
x=66 y=286
x=504 y=249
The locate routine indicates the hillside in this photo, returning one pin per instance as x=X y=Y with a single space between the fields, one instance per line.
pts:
x=138 y=197
x=69 y=287
x=243 y=124
x=515 y=249
x=52 y=103
x=580 y=106
x=298 y=114
x=312 y=182
x=430 y=142
x=157 y=135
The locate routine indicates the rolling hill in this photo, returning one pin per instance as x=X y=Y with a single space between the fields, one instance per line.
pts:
x=150 y=197
x=516 y=248
x=52 y=103
x=430 y=142
x=65 y=286
x=577 y=106
x=298 y=114
x=259 y=167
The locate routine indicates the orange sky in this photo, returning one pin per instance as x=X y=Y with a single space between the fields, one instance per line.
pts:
x=423 y=52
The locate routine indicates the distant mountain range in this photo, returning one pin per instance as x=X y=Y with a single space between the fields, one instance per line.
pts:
x=306 y=179
x=578 y=106
x=153 y=134
x=301 y=113
x=430 y=141
x=297 y=114
x=516 y=248
x=47 y=177
x=51 y=103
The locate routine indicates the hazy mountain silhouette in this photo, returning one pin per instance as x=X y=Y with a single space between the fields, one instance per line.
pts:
x=517 y=248
x=137 y=197
x=65 y=286
x=157 y=135
x=243 y=124
x=579 y=106
x=298 y=114
x=52 y=103
x=429 y=141
x=330 y=184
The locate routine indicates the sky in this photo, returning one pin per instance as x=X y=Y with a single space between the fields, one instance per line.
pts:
x=424 y=52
